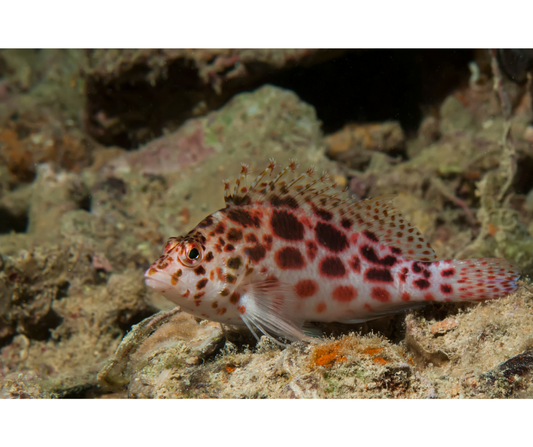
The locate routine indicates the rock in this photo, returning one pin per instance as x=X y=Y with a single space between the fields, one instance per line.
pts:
x=454 y=116
x=354 y=144
x=167 y=87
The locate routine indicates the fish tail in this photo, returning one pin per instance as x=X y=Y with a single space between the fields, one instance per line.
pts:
x=475 y=279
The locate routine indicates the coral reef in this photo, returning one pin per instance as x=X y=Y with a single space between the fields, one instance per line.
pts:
x=80 y=222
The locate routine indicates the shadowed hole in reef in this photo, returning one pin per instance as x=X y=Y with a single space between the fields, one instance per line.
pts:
x=62 y=290
x=523 y=180
x=378 y=85
x=10 y=222
x=85 y=203
x=7 y=332
x=40 y=329
x=358 y=86
x=128 y=317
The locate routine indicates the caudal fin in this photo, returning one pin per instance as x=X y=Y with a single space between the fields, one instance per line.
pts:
x=478 y=279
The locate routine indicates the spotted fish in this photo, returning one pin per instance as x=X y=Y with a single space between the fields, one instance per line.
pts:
x=295 y=250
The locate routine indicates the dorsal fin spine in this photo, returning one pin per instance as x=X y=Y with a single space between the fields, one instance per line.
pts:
x=266 y=171
x=241 y=179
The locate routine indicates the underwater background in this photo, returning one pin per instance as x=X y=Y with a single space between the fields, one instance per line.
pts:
x=104 y=154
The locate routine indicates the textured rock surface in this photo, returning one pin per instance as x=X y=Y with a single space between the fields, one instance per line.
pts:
x=79 y=223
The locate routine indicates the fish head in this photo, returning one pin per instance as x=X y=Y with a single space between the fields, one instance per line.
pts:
x=193 y=272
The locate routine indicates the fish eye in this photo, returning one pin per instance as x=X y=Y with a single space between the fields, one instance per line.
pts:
x=193 y=254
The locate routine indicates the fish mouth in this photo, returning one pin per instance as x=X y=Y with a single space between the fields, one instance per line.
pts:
x=156 y=280
x=155 y=283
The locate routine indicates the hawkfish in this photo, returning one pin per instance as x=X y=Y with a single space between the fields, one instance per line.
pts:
x=295 y=249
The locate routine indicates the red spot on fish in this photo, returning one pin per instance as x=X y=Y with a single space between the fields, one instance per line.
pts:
x=286 y=226
x=421 y=284
x=251 y=238
x=306 y=288
x=416 y=268
x=321 y=307
x=447 y=273
x=406 y=296
x=229 y=278
x=201 y=284
x=429 y=297
x=380 y=294
x=241 y=309
x=344 y=294
x=355 y=264
x=331 y=238
x=220 y=228
x=208 y=221
x=446 y=289
x=267 y=242
x=403 y=274
x=234 y=263
x=354 y=237
x=234 y=235
x=368 y=307
x=332 y=267
x=311 y=250
x=369 y=235
x=289 y=258
x=289 y=201
x=378 y=275
x=244 y=218
x=256 y=253
x=199 y=270
x=323 y=214
x=346 y=223
x=234 y=298
x=370 y=255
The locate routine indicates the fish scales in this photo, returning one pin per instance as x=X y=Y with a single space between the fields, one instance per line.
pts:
x=285 y=252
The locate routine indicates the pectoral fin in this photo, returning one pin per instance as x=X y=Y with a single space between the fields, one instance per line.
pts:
x=268 y=308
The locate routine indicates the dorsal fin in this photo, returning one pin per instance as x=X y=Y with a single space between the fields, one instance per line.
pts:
x=387 y=223
x=376 y=215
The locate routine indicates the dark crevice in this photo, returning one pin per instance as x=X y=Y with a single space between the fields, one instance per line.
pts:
x=378 y=85
x=7 y=332
x=129 y=317
x=358 y=86
x=40 y=329
x=85 y=203
x=10 y=222
x=523 y=180
x=62 y=290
